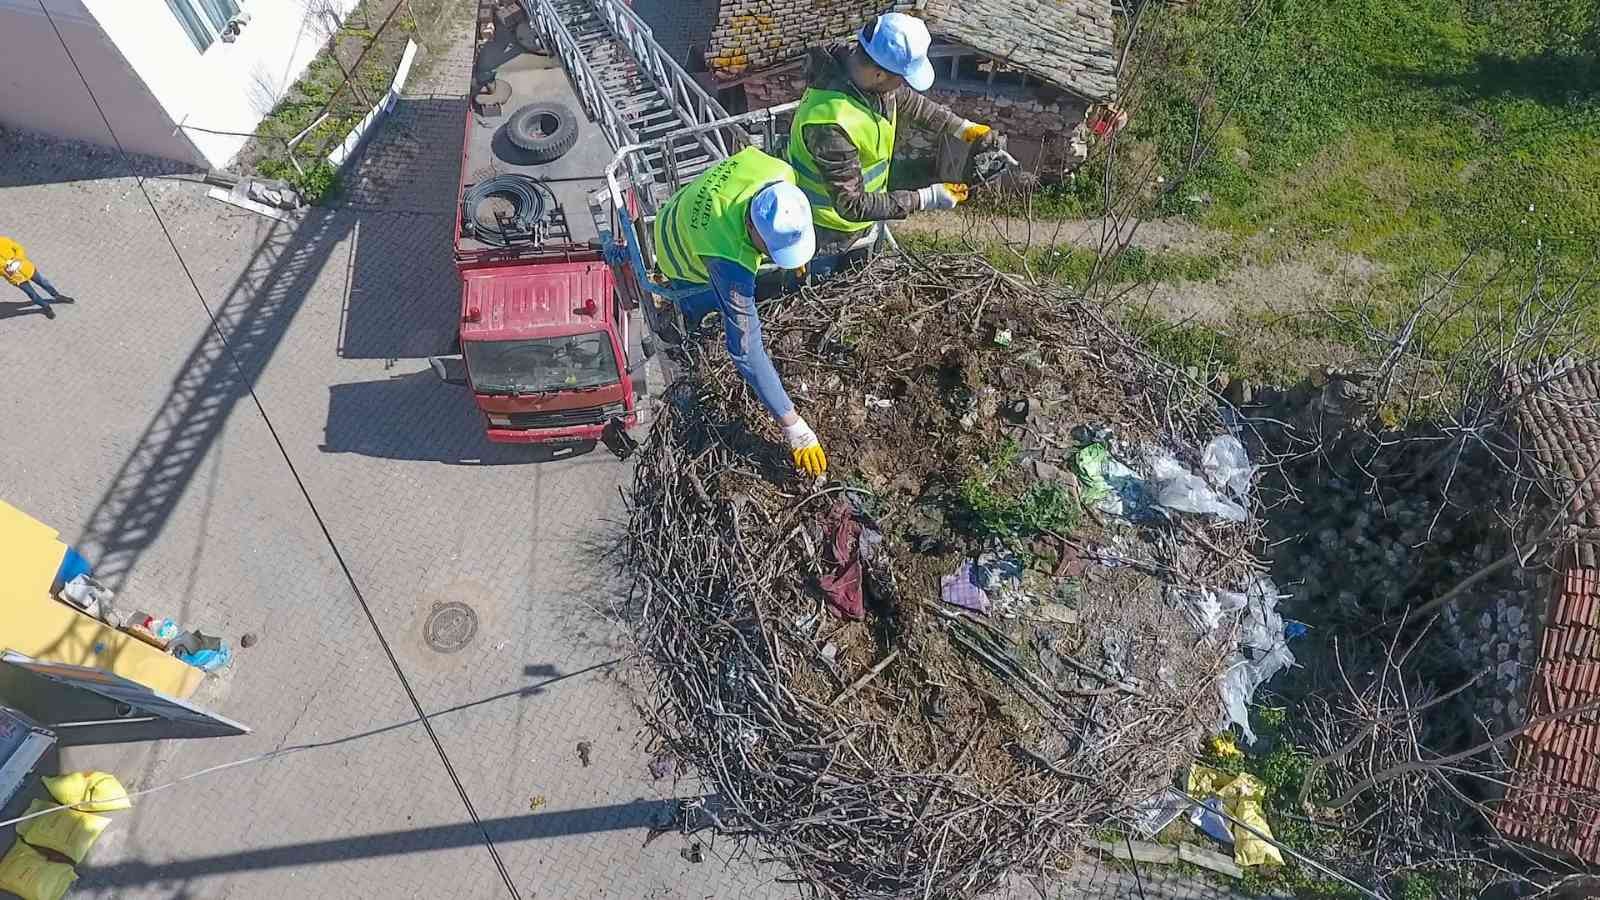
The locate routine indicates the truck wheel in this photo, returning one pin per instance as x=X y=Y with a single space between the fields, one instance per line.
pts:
x=545 y=130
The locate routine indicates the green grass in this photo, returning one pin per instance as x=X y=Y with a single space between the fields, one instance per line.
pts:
x=1072 y=266
x=1412 y=131
x=993 y=503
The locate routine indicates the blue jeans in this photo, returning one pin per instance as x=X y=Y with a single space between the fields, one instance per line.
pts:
x=741 y=328
x=39 y=279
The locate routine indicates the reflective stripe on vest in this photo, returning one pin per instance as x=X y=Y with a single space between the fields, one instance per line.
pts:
x=707 y=217
x=872 y=134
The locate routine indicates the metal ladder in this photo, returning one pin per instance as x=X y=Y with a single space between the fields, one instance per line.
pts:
x=635 y=91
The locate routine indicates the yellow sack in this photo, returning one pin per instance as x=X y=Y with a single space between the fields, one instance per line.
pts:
x=1241 y=798
x=27 y=873
x=66 y=831
x=89 y=791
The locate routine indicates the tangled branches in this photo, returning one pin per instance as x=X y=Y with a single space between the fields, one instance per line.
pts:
x=922 y=751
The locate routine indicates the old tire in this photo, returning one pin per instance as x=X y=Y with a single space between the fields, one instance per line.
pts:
x=545 y=130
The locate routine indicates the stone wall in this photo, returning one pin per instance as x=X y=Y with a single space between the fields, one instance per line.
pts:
x=1497 y=632
x=1040 y=123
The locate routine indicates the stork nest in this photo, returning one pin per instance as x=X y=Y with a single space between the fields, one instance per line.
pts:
x=925 y=750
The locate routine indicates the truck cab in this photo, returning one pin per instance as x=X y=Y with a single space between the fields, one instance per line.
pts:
x=544 y=351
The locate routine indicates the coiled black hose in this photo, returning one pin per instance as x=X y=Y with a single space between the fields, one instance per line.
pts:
x=531 y=202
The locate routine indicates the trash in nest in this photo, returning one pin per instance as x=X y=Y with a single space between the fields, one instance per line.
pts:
x=878 y=402
x=999 y=574
x=1208 y=818
x=1090 y=464
x=1002 y=337
x=851 y=545
x=1293 y=628
x=1180 y=490
x=1227 y=464
x=661 y=766
x=1240 y=798
x=1155 y=814
x=1224 y=747
x=960 y=588
x=991 y=583
x=1206 y=607
x=1265 y=652
x=1109 y=485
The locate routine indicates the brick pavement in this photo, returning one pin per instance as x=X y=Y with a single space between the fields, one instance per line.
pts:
x=130 y=428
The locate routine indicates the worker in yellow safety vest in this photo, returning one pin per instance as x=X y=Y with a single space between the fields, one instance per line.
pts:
x=842 y=138
x=20 y=271
x=710 y=239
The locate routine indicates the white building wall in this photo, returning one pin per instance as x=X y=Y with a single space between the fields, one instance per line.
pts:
x=229 y=87
x=43 y=92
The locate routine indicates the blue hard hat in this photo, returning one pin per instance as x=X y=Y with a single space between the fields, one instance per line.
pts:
x=900 y=43
x=782 y=216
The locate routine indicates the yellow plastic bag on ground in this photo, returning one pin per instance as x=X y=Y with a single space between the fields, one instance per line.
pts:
x=89 y=791
x=66 y=831
x=1241 y=797
x=27 y=873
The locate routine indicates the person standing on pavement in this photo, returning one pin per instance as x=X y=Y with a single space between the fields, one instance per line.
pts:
x=710 y=239
x=842 y=139
x=20 y=271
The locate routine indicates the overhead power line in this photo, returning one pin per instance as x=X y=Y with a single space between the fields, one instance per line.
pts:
x=333 y=545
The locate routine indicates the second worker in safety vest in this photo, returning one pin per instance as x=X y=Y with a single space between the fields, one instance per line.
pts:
x=710 y=239
x=842 y=139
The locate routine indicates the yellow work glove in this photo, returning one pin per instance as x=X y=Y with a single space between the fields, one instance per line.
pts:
x=942 y=196
x=807 y=451
x=972 y=132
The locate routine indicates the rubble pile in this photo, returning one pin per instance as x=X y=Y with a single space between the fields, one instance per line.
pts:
x=1023 y=596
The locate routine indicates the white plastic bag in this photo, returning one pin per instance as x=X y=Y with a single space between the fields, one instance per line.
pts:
x=1227 y=464
x=1183 y=491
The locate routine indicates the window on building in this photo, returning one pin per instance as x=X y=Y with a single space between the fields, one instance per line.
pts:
x=203 y=20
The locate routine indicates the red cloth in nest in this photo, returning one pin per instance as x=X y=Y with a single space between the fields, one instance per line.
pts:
x=844 y=584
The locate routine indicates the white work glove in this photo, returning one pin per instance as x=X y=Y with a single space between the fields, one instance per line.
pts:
x=942 y=196
x=13 y=267
x=806 y=449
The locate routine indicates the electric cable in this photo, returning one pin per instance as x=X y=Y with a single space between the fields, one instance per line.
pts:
x=283 y=451
x=531 y=203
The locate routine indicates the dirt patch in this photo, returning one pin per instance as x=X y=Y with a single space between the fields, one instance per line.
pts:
x=1172 y=235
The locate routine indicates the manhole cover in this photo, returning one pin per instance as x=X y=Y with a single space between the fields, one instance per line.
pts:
x=450 y=627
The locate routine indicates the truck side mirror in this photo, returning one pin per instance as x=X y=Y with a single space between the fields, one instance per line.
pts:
x=450 y=369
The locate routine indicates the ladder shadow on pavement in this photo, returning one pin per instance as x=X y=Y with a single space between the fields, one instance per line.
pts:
x=391 y=181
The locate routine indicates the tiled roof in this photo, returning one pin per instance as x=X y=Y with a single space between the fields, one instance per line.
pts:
x=1554 y=799
x=1066 y=43
x=1558 y=425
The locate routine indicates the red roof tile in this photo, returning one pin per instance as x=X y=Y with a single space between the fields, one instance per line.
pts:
x=1554 y=799
x=1558 y=430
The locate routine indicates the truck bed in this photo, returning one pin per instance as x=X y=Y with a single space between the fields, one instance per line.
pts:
x=486 y=152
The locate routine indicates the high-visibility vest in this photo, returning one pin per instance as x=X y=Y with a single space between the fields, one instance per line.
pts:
x=707 y=217
x=872 y=134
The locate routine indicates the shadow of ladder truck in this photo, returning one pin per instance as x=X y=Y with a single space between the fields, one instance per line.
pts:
x=665 y=129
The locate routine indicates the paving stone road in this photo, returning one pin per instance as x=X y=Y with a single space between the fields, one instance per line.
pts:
x=135 y=429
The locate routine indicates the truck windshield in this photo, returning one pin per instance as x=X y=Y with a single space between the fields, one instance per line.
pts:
x=572 y=362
